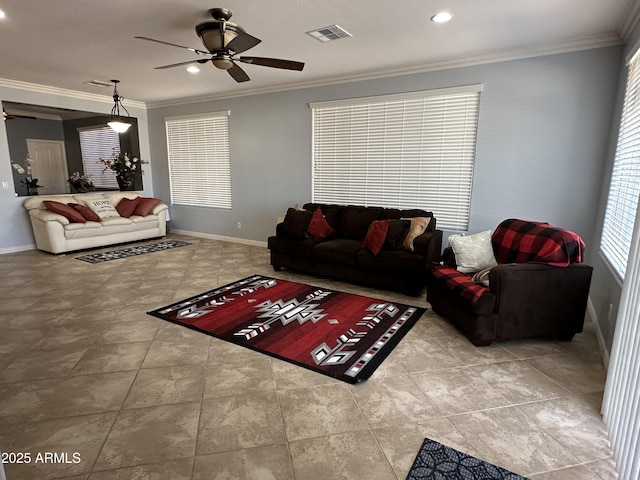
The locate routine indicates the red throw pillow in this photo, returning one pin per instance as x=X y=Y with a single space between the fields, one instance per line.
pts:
x=145 y=205
x=376 y=236
x=127 y=206
x=318 y=227
x=64 y=210
x=88 y=214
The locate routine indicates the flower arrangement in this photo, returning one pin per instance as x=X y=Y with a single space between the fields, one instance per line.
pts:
x=30 y=182
x=124 y=167
x=80 y=183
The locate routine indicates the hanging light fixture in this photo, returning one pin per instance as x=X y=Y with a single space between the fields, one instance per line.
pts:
x=116 y=122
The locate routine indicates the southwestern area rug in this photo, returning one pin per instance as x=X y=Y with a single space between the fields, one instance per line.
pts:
x=131 y=251
x=338 y=334
x=436 y=461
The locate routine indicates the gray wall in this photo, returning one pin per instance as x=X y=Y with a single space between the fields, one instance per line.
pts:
x=606 y=286
x=543 y=135
x=16 y=232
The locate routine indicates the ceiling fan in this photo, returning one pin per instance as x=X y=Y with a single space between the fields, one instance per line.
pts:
x=223 y=41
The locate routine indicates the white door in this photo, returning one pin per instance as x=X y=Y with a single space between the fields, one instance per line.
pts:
x=49 y=165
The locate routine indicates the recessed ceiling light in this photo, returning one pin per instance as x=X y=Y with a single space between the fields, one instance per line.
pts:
x=192 y=69
x=442 y=17
x=2 y=14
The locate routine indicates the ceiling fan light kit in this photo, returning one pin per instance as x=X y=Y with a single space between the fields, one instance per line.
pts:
x=223 y=41
x=117 y=123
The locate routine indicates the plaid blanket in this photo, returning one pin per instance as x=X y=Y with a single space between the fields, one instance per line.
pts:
x=519 y=241
x=460 y=283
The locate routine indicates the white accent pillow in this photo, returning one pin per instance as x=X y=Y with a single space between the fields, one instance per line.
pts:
x=473 y=252
x=102 y=207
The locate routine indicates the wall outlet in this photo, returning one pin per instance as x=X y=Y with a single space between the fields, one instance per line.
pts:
x=239 y=225
x=5 y=185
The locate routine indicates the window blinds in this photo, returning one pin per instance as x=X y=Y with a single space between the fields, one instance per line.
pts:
x=199 y=164
x=413 y=150
x=96 y=143
x=624 y=190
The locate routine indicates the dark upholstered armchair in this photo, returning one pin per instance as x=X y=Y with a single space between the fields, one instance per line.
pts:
x=539 y=287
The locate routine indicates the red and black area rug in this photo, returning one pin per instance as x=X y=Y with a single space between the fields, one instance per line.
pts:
x=337 y=334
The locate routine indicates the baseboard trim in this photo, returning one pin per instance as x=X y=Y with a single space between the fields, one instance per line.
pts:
x=591 y=313
x=223 y=238
x=21 y=248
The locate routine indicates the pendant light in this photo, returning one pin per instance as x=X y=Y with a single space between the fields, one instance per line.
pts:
x=116 y=122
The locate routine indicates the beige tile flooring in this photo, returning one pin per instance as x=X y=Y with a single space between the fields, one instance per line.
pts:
x=84 y=369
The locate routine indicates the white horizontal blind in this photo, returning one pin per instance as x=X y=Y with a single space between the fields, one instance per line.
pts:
x=199 y=164
x=403 y=151
x=625 y=179
x=96 y=143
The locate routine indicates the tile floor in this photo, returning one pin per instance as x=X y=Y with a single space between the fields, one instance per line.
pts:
x=84 y=370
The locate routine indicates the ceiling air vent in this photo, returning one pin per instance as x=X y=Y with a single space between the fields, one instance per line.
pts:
x=99 y=83
x=326 y=34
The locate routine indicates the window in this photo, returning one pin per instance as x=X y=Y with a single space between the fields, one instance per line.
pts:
x=624 y=191
x=96 y=143
x=199 y=165
x=412 y=150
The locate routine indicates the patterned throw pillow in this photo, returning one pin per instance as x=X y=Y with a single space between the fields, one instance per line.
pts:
x=102 y=207
x=473 y=252
x=418 y=227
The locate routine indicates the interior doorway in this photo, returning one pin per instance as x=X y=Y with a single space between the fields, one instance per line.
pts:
x=49 y=165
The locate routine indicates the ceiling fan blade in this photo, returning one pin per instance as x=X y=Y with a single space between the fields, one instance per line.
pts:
x=242 y=43
x=238 y=74
x=195 y=50
x=273 y=62
x=200 y=60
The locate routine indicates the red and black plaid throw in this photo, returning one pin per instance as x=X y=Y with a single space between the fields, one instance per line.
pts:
x=460 y=283
x=519 y=241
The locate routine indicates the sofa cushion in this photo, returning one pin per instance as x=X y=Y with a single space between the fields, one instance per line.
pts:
x=355 y=221
x=296 y=223
x=318 y=226
x=65 y=210
x=127 y=206
x=376 y=236
x=396 y=233
x=339 y=251
x=390 y=260
x=145 y=205
x=473 y=252
x=296 y=248
x=88 y=214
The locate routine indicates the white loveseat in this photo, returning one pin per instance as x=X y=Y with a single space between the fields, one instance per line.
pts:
x=56 y=234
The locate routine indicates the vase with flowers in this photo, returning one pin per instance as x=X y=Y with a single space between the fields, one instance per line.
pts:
x=80 y=183
x=125 y=167
x=29 y=182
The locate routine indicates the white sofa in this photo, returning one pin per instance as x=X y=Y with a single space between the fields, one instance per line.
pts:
x=56 y=234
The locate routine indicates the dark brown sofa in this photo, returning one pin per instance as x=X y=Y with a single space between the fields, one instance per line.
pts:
x=538 y=289
x=342 y=255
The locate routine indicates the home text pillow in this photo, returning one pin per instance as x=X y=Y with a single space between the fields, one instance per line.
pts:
x=473 y=252
x=64 y=210
x=396 y=233
x=101 y=207
x=86 y=212
x=318 y=226
x=417 y=227
x=145 y=205
x=296 y=223
x=376 y=235
x=127 y=206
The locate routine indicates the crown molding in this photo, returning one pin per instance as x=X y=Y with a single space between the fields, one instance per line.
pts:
x=584 y=43
x=34 y=87
x=630 y=20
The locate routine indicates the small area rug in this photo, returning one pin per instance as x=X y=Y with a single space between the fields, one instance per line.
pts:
x=132 y=251
x=439 y=462
x=337 y=334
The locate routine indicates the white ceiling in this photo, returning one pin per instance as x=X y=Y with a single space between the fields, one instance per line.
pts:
x=64 y=43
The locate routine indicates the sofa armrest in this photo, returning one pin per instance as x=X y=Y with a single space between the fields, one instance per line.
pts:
x=159 y=208
x=48 y=216
x=530 y=296
x=429 y=244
